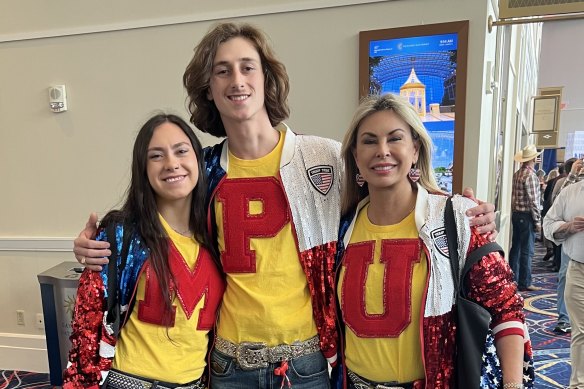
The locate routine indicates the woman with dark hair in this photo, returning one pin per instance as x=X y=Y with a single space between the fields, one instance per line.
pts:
x=168 y=286
x=395 y=284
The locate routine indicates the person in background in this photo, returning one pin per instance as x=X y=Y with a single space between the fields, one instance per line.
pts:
x=563 y=325
x=525 y=217
x=168 y=286
x=274 y=209
x=552 y=174
x=395 y=288
x=542 y=182
x=564 y=224
x=574 y=172
x=551 y=248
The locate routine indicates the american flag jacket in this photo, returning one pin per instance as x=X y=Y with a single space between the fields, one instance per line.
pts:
x=93 y=338
x=93 y=342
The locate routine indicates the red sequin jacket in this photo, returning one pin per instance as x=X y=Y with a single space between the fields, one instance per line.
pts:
x=92 y=341
x=310 y=170
x=490 y=284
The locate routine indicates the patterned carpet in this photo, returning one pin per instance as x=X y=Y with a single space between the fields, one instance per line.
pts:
x=23 y=379
x=551 y=351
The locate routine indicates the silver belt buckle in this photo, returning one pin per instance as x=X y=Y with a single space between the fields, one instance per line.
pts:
x=282 y=352
x=251 y=355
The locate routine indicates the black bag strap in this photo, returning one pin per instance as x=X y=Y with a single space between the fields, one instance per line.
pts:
x=113 y=303
x=472 y=258
x=452 y=239
x=476 y=256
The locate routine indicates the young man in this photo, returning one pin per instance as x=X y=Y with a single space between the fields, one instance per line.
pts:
x=274 y=211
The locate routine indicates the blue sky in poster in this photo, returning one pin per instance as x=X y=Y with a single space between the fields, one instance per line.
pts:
x=430 y=57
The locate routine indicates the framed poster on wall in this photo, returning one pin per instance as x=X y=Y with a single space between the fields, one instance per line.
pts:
x=427 y=65
x=545 y=113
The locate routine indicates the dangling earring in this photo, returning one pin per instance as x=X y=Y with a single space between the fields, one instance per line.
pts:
x=360 y=180
x=414 y=174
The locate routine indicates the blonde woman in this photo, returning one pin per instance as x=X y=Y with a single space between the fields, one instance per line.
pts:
x=395 y=286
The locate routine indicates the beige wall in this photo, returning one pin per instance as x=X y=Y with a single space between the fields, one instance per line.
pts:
x=58 y=167
x=558 y=48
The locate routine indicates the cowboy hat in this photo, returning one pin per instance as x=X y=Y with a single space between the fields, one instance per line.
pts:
x=528 y=153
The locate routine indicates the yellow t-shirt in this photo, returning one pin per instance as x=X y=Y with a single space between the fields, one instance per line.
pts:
x=175 y=354
x=382 y=300
x=267 y=297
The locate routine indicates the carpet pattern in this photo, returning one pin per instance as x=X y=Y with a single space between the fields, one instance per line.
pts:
x=551 y=351
x=23 y=379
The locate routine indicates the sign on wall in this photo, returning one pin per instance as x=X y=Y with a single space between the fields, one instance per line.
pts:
x=546 y=139
x=545 y=111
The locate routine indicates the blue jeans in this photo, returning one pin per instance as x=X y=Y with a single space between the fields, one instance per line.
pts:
x=522 y=247
x=562 y=311
x=306 y=372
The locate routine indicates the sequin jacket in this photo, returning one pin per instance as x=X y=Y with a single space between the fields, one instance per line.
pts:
x=92 y=341
x=310 y=171
x=491 y=285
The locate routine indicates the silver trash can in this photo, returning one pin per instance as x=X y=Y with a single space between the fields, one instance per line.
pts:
x=58 y=292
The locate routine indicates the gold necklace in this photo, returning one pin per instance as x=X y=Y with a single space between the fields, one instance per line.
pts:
x=186 y=232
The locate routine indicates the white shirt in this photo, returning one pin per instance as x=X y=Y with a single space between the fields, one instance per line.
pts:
x=568 y=205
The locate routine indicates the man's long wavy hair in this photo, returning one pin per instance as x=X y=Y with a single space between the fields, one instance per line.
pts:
x=140 y=212
x=197 y=76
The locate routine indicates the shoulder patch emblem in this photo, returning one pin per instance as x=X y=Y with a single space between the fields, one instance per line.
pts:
x=440 y=241
x=321 y=177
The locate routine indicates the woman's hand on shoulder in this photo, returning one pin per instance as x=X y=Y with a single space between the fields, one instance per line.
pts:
x=89 y=252
x=482 y=216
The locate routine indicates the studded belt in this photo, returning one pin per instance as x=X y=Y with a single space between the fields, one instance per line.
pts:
x=361 y=383
x=119 y=380
x=256 y=355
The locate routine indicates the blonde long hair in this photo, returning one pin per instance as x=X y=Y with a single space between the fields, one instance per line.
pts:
x=351 y=192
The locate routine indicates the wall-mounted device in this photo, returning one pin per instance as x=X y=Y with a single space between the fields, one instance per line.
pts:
x=58 y=98
x=490 y=83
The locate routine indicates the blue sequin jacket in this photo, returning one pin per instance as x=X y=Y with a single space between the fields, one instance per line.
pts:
x=92 y=340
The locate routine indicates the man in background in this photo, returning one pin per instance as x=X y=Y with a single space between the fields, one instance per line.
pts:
x=548 y=198
x=563 y=325
x=564 y=224
x=525 y=217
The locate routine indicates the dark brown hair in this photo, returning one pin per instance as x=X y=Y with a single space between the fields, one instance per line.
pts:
x=140 y=210
x=196 y=79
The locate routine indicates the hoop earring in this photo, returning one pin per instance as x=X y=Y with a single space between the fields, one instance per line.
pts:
x=360 y=180
x=414 y=174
